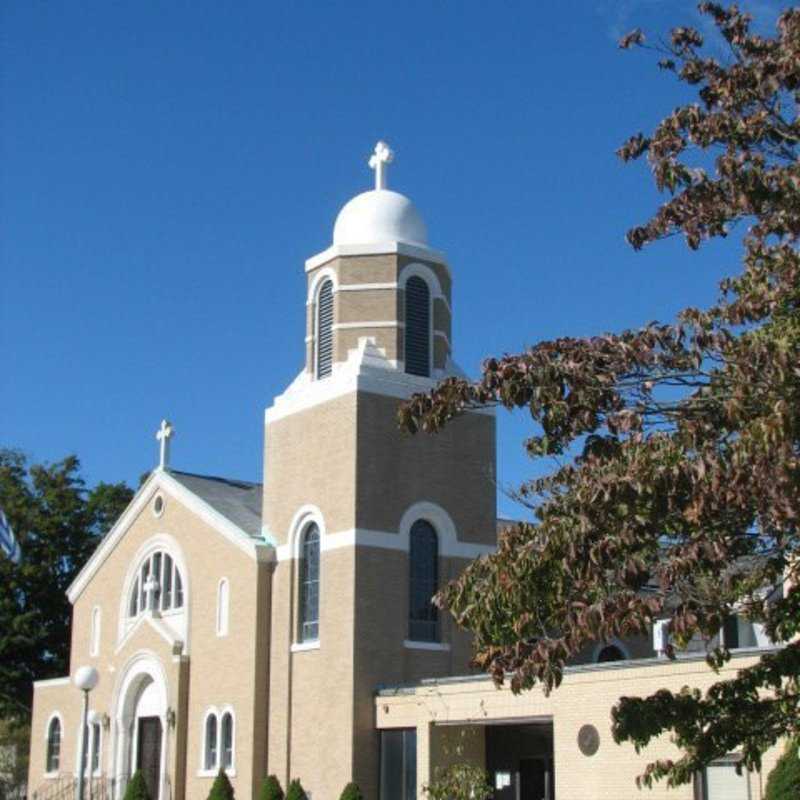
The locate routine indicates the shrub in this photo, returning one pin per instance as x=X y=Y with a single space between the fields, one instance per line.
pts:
x=784 y=781
x=221 y=788
x=270 y=789
x=459 y=782
x=296 y=791
x=137 y=788
x=351 y=792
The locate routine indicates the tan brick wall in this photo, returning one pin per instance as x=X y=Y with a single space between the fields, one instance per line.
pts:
x=218 y=671
x=373 y=305
x=311 y=691
x=309 y=457
x=584 y=697
x=454 y=469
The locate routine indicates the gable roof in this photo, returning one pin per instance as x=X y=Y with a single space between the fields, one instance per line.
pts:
x=238 y=501
x=231 y=507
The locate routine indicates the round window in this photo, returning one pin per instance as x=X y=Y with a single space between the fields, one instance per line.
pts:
x=158 y=505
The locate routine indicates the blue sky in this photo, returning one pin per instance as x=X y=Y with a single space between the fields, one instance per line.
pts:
x=168 y=167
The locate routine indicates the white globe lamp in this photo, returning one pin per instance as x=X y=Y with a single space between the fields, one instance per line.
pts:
x=85 y=679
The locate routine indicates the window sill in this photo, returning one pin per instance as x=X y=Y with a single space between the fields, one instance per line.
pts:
x=412 y=645
x=51 y=776
x=212 y=773
x=299 y=647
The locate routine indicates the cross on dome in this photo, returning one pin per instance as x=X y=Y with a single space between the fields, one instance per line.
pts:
x=378 y=161
x=163 y=435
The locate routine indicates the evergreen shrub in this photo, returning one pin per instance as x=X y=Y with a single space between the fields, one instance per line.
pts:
x=221 y=788
x=137 y=788
x=784 y=781
x=296 y=791
x=351 y=792
x=271 y=789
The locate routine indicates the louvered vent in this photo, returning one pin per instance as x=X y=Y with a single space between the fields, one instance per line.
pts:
x=325 y=330
x=418 y=327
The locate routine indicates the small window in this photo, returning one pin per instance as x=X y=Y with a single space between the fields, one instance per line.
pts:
x=309 y=585
x=158 y=505
x=223 y=605
x=227 y=740
x=610 y=653
x=94 y=637
x=53 y=759
x=418 y=327
x=324 y=330
x=95 y=747
x=423 y=568
x=398 y=764
x=211 y=742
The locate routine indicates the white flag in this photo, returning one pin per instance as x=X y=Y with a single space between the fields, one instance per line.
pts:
x=8 y=542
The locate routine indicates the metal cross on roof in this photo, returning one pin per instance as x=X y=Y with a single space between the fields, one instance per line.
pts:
x=378 y=161
x=164 y=434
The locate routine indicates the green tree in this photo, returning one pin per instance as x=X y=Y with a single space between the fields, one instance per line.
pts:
x=221 y=789
x=351 y=792
x=136 y=788
x=459 y=782
x=270 y=789
x=58 y=523
x=14 y=739
x=296 y=791
x=678 y=496
x=783 y=782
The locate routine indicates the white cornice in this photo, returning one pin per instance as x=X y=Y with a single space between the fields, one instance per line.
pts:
x=367 y=370
x=160 y=479
x=449 y=546
x=65 y=681
x=376 y=249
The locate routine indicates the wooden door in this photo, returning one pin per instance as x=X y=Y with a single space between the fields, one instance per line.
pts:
x=148 y=754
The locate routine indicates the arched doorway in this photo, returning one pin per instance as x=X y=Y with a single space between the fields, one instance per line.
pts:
x=140 y=725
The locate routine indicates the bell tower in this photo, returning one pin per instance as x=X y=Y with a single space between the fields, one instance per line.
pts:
x=367 y=521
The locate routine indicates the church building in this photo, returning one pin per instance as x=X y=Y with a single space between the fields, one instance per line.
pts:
x=287 y=627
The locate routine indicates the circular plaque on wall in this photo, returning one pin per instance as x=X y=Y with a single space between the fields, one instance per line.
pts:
x=588 y=740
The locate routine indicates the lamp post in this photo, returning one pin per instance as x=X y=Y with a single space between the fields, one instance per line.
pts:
x=85 y=679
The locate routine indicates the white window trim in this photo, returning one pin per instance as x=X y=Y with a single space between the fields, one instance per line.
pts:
x=411 y=644
x=212 y=772
x=169 y=545
x=53 y=715
x=318 y=284
x=300 y=647
x=94 y=633
x=302 y=518
x=223 y=621
x=89 y=745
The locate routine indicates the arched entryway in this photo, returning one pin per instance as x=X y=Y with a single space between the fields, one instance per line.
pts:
x=141 y=725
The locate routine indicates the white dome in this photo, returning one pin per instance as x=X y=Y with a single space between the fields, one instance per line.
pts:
x=380 y=216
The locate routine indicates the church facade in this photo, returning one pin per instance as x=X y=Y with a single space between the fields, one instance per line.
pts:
x=286 y=627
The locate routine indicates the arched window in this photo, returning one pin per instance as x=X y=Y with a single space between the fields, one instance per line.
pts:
x=418 y=327
x=53 y=759
x=309 y=585
x=227 y=740
x=95 y=748
x=211 y=752
x=423 y=569
x=223 y=605
x=158 y=585
x=610 y=653
x=324 y=330
x=218 y=741
x=94 y=638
